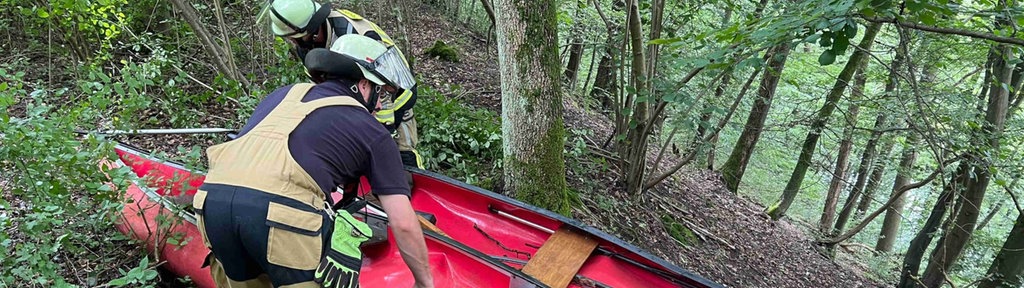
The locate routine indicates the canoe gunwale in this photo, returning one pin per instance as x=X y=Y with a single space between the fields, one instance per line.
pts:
x=682 y=274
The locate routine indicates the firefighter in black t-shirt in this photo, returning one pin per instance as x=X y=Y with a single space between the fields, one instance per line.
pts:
x=262 y=209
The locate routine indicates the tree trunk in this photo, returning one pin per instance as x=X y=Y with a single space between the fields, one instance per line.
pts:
x=811 y=142
x=532 y=129
x=874 y=178
x=736 y=165
x=835 y=187
x=1007 y=268
x=918 y=245
x=705 y=118
x=604 y=81
x=575 y=55
x=894 y=215
x=572 y=68
x=948 y=251
x=634 y=148
x=874 y=181
x=991 y=214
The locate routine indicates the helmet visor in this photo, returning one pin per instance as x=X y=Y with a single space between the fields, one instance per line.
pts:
x=392 y=68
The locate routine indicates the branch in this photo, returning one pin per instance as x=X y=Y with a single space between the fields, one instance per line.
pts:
x=1014 y=198
x=943 y=30
x=607 y=23
x=489 y=10
x=895 y=195
x=721 y=124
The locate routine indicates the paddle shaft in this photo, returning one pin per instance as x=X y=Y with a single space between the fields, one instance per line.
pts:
x=161 y=131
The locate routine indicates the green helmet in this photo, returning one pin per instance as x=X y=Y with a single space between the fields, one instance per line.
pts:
x=296 y=18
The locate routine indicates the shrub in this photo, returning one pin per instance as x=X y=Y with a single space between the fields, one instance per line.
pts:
x=458 y=140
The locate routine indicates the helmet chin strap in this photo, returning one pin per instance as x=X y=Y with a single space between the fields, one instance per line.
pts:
x=373 y=89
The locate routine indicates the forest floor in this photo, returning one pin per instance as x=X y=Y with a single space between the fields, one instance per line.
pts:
x=738 y=245
x=732 y=241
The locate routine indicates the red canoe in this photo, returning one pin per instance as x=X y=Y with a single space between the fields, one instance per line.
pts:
x=490 y=237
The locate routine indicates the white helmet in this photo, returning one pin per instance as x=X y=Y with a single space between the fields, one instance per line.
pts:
x=296 y=18
x=362 y=57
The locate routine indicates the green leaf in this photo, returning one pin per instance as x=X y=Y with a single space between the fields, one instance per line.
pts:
x=3 y=86
x=43 y=14
x=664 y=41
x=850 y=30
x=826 y=58
x=914 y=6
x=840 y=45
x=118 y=282
x=928 y=18
x=826 y=39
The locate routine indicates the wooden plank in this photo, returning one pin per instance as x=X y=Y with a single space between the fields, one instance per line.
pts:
x=560 y=258
x=425 y=224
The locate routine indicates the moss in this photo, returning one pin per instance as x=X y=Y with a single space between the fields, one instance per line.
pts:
x=679 y=231
x=772 y=210
x=548 y=188
x=443 y=51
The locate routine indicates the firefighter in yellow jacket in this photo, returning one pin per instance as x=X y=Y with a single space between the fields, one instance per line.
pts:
x=263 y=208
x=307 y=24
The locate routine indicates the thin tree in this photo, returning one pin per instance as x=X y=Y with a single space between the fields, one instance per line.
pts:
x=838 y=182
x=894 y=215
x=532 y=129
x=776 y=56
x=733 y=169
x=811 y=142
x=952 y=244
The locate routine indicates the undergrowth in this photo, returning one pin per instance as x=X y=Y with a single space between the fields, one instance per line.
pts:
x=458 y=140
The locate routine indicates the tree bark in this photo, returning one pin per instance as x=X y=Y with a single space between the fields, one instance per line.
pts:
x=894 y=215
x=736 y=165
x=604 y=82
x=918 y=246
x=1007 y=268
x=532 y=126
x=811 y=142
x=991 y=214
x=874 y=181
x=575 y=55
x=948 y=251
x=838 y=182
x=634 y=148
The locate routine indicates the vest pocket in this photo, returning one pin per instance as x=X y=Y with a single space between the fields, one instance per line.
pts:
x=294 y=239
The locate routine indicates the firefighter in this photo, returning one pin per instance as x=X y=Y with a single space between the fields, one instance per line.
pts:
x=263 y=209
x=306 y=25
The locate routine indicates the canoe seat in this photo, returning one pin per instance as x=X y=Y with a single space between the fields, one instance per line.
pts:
x=560 y=258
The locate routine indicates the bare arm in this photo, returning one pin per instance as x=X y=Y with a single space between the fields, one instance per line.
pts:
x=406 y=228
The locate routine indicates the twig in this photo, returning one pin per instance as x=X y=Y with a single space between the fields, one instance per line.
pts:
x=697 y=230
x=895 y=195
x=943 y=30
x=502 y=246
x=1014 y=198
x=847 y=246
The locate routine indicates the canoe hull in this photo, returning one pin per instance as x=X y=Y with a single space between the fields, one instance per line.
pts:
x=491 y=236
x=179 y=243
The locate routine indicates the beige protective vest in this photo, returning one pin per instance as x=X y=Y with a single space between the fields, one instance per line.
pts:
x=260 y=159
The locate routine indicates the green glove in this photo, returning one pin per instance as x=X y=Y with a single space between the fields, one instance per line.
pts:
x=340 y=266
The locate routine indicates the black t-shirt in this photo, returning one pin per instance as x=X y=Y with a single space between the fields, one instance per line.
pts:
x=338 y=144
